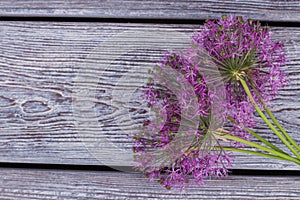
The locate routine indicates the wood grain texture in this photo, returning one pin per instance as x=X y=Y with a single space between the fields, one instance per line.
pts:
x=46 y=66
x=269 y=10
x=45 y=184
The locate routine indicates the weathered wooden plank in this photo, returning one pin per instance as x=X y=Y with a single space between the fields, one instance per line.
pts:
x=50 y=184
x=270 y=10
x=60 y=84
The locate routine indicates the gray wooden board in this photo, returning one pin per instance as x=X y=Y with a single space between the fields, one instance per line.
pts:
x=270 y=10
x=44 y=65
x=50 y=184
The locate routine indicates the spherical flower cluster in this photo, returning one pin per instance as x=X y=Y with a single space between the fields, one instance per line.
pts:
x=243 y=48
x=195 y=158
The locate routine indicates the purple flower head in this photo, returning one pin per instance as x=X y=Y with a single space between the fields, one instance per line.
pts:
x=188 y=155
x=175 y=150
x=244 y=49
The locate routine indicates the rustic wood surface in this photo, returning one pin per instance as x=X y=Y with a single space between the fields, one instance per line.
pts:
x=62 y=101
x=40 y=63
x=269 y=10
x=50 y=184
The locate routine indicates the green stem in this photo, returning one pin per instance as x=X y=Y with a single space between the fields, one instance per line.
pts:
x=259 y=137
x=252 y=144
x=264 y=141
x=266 y=120
x=281 y=128
x=253 y=153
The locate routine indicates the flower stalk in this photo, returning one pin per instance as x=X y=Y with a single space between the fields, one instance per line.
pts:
x=261 y=139
x=281 y=128
x=264 y=141
x=258 y=154
x=255 y=145
x=262 y=115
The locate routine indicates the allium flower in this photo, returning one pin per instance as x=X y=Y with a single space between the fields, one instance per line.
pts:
x=242 y=48
x=186 y=139
x=177 y=158
x=250 y=63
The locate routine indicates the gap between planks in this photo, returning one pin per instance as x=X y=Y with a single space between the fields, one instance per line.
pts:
x=266 y=10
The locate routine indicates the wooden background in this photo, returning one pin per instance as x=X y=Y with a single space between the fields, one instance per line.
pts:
x=46 y=44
